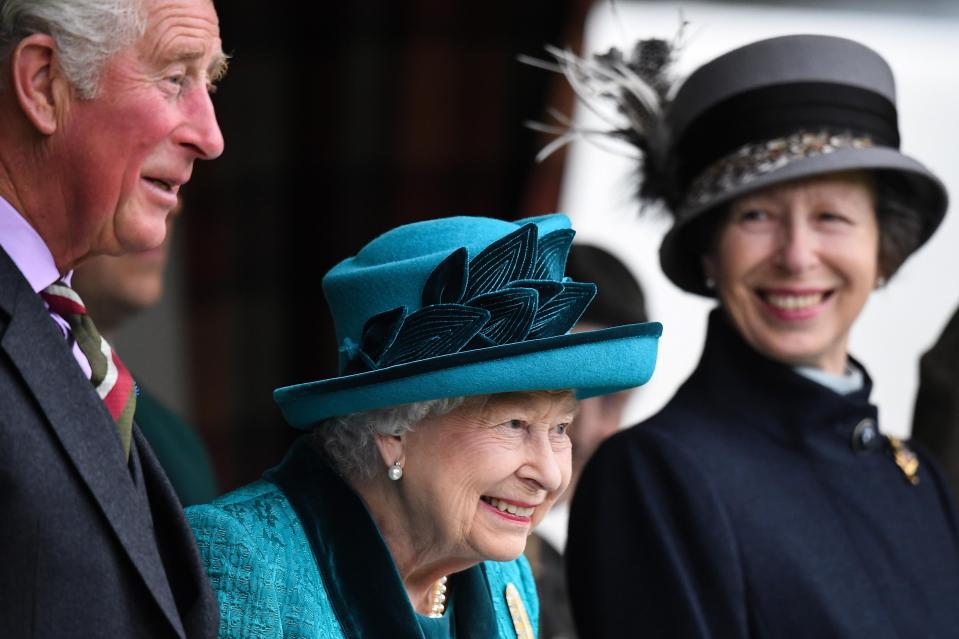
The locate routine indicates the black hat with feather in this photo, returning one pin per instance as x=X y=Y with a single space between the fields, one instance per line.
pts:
x=772 y=111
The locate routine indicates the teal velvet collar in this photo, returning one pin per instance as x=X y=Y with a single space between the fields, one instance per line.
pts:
x=358 y=572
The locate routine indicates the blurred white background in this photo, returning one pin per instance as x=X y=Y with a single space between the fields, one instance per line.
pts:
x=899 y=322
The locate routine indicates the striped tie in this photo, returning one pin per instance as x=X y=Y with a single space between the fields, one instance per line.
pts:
x=109 y=376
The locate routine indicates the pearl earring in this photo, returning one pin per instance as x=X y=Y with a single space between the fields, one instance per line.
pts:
x=710 y=283
x=396 y=471
x=880 y=282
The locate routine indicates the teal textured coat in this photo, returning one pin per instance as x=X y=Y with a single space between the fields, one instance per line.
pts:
x=297 y=555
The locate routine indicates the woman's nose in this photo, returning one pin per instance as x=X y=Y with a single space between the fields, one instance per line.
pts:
x=544 y=464
x=798 y=248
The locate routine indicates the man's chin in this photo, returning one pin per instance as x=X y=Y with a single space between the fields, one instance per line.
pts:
x=145 y=234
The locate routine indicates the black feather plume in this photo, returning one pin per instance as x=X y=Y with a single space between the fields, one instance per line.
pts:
x=640 y=87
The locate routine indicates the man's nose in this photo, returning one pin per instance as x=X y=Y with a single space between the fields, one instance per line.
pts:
x=202 y=131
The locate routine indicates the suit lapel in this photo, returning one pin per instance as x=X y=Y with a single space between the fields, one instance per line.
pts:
x=196 y=603
x=82 y=424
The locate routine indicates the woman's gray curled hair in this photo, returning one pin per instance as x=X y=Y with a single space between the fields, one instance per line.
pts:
x=86 y=32
x=349 y=441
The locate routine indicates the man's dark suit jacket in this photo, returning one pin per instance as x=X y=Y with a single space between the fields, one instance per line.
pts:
x=89 y=545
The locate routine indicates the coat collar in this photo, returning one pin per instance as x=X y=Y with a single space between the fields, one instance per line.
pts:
x=82 y=424
x=772 y=395
x=364 y=587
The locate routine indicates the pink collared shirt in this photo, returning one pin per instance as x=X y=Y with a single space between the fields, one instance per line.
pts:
x=29 y=252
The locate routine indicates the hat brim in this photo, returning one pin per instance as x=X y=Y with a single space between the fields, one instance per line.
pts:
x=590 y=363
x=922 y=190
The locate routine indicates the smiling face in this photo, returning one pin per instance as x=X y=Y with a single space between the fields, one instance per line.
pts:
x=477 y=479
x=126 y=152
x=794 y=265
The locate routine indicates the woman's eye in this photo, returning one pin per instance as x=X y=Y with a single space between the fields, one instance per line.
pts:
x=561 y=429
x=513 y=424
x=753 y=215
x=828 y=216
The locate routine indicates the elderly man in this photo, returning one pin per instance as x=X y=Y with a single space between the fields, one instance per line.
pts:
x=104 y=106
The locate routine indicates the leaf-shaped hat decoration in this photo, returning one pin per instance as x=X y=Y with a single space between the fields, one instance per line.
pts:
x=506 y=260
x=558 y=316
x=546 y=289
x=511 y=314
x=551 y=253
x=447 y=283
x=358 y=362
x=435 y=330
x=380 y=332
x=512 y=291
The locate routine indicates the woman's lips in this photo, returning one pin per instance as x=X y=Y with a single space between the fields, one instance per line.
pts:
x=794 y=304
x=508 y=509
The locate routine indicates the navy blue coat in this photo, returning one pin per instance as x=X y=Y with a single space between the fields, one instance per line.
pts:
x=753 y=506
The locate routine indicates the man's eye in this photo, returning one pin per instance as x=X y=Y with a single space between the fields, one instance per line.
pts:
x=177 y=82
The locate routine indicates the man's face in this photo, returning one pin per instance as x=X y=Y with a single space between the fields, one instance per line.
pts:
x=128 y=150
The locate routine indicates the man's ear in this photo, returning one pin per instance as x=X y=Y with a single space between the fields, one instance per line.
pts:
x=392 y=448
x=38 y=82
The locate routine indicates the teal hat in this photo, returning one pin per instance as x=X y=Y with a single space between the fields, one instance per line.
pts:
x=465 y=306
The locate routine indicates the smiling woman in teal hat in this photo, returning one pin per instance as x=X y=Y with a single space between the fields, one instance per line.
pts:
x=436 y=450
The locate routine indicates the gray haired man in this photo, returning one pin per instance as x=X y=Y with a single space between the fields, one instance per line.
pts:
x=104 y=107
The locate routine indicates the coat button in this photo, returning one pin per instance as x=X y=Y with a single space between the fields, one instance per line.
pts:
x=865 y=436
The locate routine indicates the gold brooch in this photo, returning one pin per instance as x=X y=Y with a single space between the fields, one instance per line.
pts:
x=524 y=629
x=906 y=460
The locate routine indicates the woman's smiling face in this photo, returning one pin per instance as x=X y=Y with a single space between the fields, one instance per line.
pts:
x=794 y=265
x=478 y=479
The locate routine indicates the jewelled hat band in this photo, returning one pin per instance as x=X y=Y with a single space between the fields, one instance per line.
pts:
x=752 y=161
x=773 y=112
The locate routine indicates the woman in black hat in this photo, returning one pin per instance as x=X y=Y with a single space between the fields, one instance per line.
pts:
x=763 y=500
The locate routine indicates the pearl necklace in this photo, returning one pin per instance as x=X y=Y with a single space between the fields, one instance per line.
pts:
x=439 y=598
